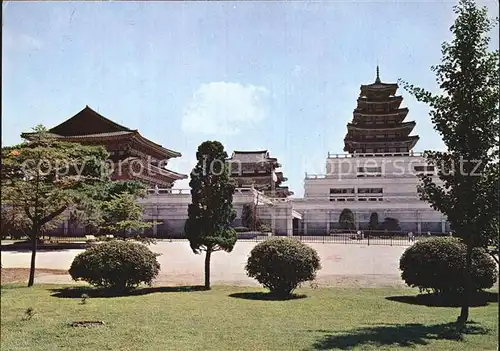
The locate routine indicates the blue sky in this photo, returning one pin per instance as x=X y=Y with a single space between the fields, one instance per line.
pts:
x=282 y=76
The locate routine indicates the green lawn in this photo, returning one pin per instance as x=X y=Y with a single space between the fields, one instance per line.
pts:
x=173 y=319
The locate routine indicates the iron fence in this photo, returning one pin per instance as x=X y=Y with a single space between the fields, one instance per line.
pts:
x=345 y=237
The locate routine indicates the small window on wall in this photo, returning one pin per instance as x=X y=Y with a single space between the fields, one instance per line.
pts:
x=342 y=191
x=370 y=190
x=424 y=168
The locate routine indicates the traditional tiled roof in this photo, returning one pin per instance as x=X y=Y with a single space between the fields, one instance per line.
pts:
x=97 y=135
x=162 y=171
x=88 y=124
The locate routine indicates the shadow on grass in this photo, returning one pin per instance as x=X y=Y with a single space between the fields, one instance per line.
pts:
x=265 y=296
x=76 y=292
x=482 y=298
x=402 y=335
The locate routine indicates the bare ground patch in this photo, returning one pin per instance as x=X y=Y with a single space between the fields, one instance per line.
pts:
x=21 y=275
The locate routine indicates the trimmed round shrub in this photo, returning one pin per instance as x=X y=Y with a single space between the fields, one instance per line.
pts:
x=438 y=264
x=116 y=264
x=282 y=264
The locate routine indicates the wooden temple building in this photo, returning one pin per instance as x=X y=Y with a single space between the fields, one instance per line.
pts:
x=377 y=125
x=133 y=156
x=260 y=170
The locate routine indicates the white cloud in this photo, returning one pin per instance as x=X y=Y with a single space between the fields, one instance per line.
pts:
x=20 y=41
x=297 y=71
x=225 y=108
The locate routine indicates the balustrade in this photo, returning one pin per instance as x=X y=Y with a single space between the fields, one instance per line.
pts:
x=384 y=154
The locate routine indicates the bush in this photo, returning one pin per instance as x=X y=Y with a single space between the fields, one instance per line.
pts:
x=390 y=224
x=116 y=264
x=437 y=264
x=265 y=228
x=281 y=264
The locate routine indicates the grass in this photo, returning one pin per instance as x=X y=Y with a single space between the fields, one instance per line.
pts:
x=236 y=318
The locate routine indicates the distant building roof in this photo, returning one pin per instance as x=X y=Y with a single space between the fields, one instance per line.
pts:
x=252 y=157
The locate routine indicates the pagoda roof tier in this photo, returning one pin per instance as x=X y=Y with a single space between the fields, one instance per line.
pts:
x=373 y=129
x=399 y=114
x=395 y=112
x=88 y=126
x=393 y=101
x=378 y=89
x=281 y=177
x=409 y=142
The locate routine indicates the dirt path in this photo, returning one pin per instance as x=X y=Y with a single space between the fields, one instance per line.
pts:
x=342 y=265
x=21 y=275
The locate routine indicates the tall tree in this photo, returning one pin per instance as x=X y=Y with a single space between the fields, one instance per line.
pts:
x=346 y=219
x=43 y=178
x=211 y=211
x=248 y=216
x=123 y=215
x=374 y=222
x=465 y=114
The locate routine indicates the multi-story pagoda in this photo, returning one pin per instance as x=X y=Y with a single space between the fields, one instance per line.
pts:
x=133 y=156
x=258 y=169
x=377 y=125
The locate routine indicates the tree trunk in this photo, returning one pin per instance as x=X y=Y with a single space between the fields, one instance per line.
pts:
x=207 y=268
x=464 y=313
x=34 y=239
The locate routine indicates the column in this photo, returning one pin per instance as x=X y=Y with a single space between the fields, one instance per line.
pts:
x=65 y=226
x=443 y=225
x=289 y=222
x=155 y=216
x=328 y=223
x=304 y=221
x=419 y=223
x=356 y=219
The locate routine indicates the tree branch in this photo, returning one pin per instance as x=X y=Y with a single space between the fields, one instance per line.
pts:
x=53 y=215
x=28 y=214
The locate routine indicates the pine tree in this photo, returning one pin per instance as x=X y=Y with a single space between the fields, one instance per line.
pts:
x=211 y=212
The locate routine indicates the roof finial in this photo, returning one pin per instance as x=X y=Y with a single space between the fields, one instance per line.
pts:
x=377 y=80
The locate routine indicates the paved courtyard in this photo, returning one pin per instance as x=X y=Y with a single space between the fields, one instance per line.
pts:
x=342 y=265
